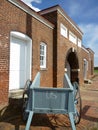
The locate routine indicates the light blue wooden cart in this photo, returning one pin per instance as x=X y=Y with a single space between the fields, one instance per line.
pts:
x=64 y=100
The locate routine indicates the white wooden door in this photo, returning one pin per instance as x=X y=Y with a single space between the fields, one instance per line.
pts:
x=85 y=68
x=18 y=57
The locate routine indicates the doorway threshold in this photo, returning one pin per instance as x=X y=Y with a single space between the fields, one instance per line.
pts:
x=16 y=93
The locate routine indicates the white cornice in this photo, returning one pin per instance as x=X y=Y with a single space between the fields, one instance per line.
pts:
x=48 y=10
x=69 y=21
x=61 y=12
x=90 y=50
x=36 y=16
x=85 y=49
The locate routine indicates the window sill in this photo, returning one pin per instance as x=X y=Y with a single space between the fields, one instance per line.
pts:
x=43 y=69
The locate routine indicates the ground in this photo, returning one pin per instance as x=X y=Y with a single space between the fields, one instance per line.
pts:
x=11 y=115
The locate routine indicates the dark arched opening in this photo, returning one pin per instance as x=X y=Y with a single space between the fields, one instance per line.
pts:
x=72 y=65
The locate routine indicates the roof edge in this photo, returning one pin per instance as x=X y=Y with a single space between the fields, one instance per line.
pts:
x=31 y=12
x=84 y=48
x=90 y=50
x=62 y=12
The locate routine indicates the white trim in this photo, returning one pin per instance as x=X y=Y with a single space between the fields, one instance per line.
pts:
x=72 y=37
x=43 y=55
x=85 y=49
x=63 y=30
x=73 y=49
x=90 y=51
x=85 y=60
x=86 y=63
x=28 y=42
x=48 y=10
x=79 y=43
x=20 y=35
x=69 y=21
x=32 y=14
x=65 y=69
x=75 y=70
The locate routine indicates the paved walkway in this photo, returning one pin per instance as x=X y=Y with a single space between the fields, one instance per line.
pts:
x=89 y=94
x=11 y=119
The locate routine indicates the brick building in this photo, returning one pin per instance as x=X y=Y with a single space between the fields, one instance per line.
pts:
x=47 y=41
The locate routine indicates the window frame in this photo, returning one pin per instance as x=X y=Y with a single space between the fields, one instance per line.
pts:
x=63 y=31
x=79 y=43
x=72 y=37
x=43 y=49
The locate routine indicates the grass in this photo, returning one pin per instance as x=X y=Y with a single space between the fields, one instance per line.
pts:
x=96 y=70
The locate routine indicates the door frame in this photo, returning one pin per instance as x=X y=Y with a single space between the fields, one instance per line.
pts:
x=85 y=67
x=28 y=40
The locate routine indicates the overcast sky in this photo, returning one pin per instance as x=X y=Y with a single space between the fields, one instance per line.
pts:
x=83 y=12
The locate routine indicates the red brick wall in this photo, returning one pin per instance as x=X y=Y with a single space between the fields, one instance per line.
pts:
x=52 y=17
x=14 y=19
x=61 y=47
x=44 y=34
x=91 y=62
x=89 y=56
x=64 y=45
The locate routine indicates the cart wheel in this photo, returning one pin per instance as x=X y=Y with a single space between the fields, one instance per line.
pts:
x=77 y=102
x=26 y=93
x=27 y=84
x=25 y=100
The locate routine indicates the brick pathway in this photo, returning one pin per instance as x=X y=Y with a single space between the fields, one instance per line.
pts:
x=10 y=116
x=89 y=94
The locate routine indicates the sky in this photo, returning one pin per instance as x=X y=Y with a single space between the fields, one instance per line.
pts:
x=83 y=12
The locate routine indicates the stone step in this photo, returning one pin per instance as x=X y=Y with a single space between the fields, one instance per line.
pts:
x=87 y=81
x=16 y=93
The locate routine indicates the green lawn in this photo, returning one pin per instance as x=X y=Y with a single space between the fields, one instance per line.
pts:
x=96 y=71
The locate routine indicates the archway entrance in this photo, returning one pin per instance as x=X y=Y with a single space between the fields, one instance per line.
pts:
x=72 y=65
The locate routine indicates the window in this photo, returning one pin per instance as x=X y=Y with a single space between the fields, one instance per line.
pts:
x=72 y=37
x=42 y=55
x=79 y=42
x=63 y=30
